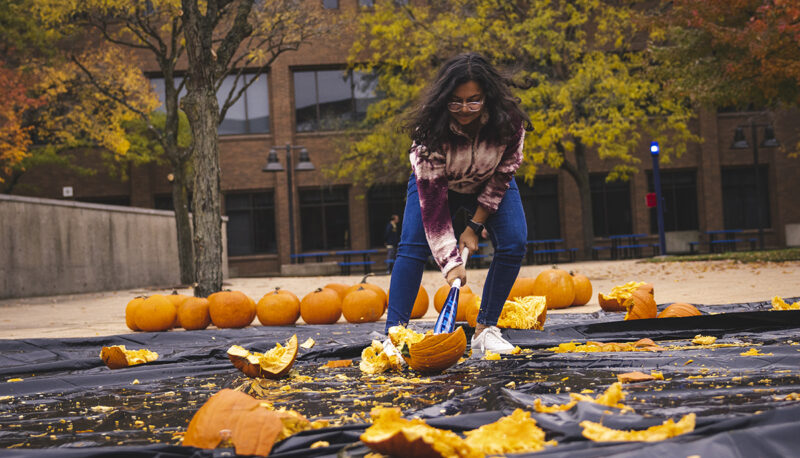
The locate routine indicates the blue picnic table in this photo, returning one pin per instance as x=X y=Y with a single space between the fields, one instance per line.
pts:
x=346 y=264
x=720 y=240
x=629 y=245
x=546 y=251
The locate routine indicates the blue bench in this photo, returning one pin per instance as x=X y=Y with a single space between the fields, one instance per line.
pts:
x=476 y=260
x=365 y=262
x=543 y=251
x=303 y=256
x=597 y=249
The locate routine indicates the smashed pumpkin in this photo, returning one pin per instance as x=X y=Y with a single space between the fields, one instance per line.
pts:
x=679 y=310
x=429 y=353
x=528 y=312
x=599 y=433
x=117 y=356
x=375 y=361
x=641 y=304
x=273 y=364
x=392 y=435
x=515 y=433
x=615 y=300
x=250 y=424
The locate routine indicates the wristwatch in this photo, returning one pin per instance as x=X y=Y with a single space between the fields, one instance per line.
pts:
x=477 y=228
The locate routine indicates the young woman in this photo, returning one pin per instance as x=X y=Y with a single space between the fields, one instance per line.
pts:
x=468 y=134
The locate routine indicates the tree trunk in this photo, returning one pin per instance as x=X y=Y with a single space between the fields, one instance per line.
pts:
x=580 y=173
x=180 y=200
x=202 y=110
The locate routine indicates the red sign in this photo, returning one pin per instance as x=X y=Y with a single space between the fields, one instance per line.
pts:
x=650 y=198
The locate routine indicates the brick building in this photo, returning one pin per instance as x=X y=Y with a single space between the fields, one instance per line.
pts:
x=306 y=98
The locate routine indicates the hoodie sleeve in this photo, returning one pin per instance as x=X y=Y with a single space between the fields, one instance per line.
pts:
x=496 y=186
x=429 y=169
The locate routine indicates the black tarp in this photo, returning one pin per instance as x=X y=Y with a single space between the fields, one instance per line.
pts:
x=69 y=404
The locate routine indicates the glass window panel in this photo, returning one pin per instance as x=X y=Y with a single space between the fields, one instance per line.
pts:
x=540 y=203
x=311 y=227
x=235 y=121
x=611 y=207
x=335 y=100
x=258 y=106
x=324 y=219
x=382 y=202
x=366 y=3
x=740 y=206
x=239 y=231
x=330 y=4
x=237 y=202
x=305 y=101
x=679 y=195
x=158 y=87
x=365 y=91
x=337 y=226
x=264 y=227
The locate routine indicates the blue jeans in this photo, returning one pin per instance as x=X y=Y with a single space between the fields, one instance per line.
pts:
x=507 y=230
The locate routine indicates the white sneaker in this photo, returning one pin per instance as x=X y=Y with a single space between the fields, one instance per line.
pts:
x=491 y=339
x=391 y=350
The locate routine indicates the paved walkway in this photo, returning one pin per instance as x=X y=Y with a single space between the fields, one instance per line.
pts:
x=713 y=282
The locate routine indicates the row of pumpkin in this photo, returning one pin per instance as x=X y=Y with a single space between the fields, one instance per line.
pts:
x=359 y=303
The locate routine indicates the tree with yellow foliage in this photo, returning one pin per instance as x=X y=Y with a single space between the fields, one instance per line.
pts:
x=577 y=67
x=238 y=38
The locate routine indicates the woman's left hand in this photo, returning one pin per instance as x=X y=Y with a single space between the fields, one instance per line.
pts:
x=468 y=239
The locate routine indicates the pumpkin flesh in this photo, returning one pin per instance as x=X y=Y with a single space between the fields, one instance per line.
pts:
x=117 y=356
x=273 y=364
x=429 y=353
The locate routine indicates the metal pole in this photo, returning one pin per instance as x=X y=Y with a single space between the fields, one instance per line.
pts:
x=759 y=211
x=659 y=205
x=291 y=201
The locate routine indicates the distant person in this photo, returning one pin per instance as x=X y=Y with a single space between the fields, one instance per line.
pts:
x=391 y=238
x=467 y=135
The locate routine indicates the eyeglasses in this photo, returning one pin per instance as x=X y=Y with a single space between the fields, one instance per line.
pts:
x=471 y=106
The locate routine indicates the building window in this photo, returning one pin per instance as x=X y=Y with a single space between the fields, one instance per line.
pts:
x=330 y=4
x=332 y=99
x=611 y=206
x=540 y=202
x=366 y=3
x=249 y=115
x=679 y=194
x=740 y=209
x=383 y=201
x=251 y=223
x=324 y=218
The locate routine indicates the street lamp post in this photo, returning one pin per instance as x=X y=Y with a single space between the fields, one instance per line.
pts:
x=740 y=142
x=654 y=152
x=274 y=165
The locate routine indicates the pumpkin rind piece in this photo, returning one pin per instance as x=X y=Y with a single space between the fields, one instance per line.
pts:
x=254 y=428
x=273 y=364
x=641 y=305
x=432 y=353
x=117 y=356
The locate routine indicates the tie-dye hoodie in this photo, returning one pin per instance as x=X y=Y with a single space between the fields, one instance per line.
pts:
x=476 y=167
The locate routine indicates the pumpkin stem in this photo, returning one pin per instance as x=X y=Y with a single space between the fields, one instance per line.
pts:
x=572 y=273
x=318 y=290
x=364 y=279
x=555 y=266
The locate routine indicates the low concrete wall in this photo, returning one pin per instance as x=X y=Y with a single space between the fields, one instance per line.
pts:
x=678 y=241
x=793 y=235
x=50 y=247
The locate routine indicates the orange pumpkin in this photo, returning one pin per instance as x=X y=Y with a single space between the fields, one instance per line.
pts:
x=193 y=313
x=420 y=304
x=641 y=305
x=130 y=313
x=273 y=364
x=321 y=306
x=231 y=309
x=378 y=290
x=679 y=310
x=429 y=353
x=472 y=308
x=362 y=306
x=278 y=308
x=156 y=313
x=583 y=289
x=340 y=289
x=523 y=286
x=247 y=422
x=177 y=300
x=557 y=286
x=443 y=291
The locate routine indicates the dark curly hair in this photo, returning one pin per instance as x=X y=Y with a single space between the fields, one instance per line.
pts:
x=429 y=123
